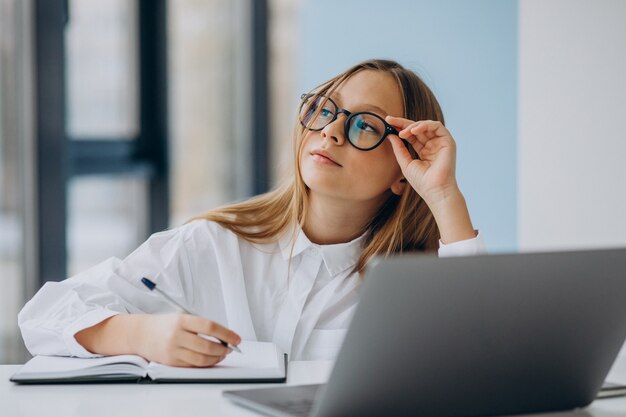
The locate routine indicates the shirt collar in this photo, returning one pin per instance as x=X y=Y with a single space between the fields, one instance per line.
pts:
x=337 y=257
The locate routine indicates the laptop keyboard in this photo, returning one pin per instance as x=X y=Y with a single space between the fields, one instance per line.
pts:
x=299 y=408
x=295 y=400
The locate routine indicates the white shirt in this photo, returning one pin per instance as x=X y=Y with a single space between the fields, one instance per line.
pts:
x=222 y=277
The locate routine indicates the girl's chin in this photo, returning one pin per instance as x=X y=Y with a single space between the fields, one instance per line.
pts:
x=325 y=186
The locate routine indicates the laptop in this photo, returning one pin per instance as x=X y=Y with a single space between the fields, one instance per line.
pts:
x=471 y=336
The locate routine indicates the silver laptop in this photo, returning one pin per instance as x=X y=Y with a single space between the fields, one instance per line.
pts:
x=471 y=336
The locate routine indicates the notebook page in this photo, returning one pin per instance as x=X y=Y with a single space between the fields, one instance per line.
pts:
x=254 y=355
x=257 y=360
x=65 y=367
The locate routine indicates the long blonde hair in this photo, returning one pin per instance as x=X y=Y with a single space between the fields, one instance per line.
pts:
x=403 y=224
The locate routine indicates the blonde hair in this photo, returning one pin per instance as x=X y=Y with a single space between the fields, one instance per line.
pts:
x=403 y=224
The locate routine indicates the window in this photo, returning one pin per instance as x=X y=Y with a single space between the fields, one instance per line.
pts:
x=107 y=209
x=86 y=171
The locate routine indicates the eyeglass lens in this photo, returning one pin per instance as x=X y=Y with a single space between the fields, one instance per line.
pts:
x=364 y=130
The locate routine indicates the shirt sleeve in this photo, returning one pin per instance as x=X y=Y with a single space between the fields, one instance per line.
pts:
x=474 y=246
x=59 y=310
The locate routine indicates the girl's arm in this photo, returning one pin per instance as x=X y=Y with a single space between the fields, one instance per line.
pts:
x=170 y=339
x=106 y=309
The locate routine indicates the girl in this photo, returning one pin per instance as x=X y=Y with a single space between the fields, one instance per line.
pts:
x=374 y=175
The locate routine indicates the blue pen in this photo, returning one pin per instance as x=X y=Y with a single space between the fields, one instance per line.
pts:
x=153 y=287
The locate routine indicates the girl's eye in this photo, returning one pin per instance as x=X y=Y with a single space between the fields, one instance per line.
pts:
x=364 y=126
x=325 y=112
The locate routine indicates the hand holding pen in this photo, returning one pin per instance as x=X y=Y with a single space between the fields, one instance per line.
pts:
x=153 y=287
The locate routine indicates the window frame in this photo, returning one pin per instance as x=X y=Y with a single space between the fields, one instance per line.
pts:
x=60 y=158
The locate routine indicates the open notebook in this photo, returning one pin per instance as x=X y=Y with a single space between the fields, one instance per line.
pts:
x=258 y=362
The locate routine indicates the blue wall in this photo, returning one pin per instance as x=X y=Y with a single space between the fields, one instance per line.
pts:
x=466 y=51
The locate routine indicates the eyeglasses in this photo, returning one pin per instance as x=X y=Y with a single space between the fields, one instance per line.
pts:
x=364 y=130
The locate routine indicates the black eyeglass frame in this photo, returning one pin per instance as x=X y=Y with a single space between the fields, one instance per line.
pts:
x=349 y=115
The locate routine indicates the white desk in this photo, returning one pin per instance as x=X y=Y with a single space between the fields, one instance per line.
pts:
x=182 y=400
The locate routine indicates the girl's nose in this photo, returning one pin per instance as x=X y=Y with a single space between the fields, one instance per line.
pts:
x=335 y=131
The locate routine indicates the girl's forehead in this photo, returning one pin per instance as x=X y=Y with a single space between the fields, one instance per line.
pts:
x=371 y=87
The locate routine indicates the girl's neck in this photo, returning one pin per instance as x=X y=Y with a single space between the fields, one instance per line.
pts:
x=331 y=220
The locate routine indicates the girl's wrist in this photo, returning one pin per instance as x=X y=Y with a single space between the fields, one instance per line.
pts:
x=113 y=336
x=132 y=333
x=448 y=194
x=451 y=214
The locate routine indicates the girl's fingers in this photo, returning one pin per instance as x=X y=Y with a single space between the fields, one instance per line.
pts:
x=419 y=135
x=196 y=359
x=401 y=152
x=405 y=128
x=430 y=129
x=422 y=131
x=431 y=137
x=195 y=324
x=399 y=123
x=434 y=128
x=414 y=143
x=433 y=146
x=418 y=146
x=408 y=131
x=197 y=344
x=427 y=137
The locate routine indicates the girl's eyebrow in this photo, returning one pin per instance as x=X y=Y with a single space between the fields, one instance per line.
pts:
x=375 y=108
x=335 y=95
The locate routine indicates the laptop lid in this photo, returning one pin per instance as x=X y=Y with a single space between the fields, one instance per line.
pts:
x=481 y=335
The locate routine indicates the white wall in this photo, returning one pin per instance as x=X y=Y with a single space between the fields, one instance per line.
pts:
x=572 y=124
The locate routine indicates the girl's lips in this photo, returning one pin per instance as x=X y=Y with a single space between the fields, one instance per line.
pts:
x=323 y=157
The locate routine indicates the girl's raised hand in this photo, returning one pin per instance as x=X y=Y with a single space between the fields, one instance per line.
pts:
x=433 y=175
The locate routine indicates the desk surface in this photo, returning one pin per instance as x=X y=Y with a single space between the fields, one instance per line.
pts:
x=181 y=400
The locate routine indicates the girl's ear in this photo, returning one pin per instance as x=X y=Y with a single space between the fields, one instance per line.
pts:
x=398 y=187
